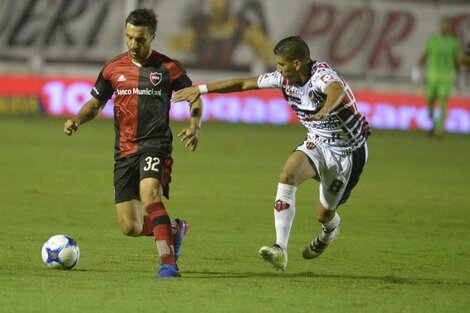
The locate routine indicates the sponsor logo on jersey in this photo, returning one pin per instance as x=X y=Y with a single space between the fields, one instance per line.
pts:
x=155 y=78
x=139 y=92
x=121 y=78
x=330 y=123
x=326 y=78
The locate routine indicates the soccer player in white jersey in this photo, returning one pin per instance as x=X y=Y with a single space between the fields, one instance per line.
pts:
x=334 y=152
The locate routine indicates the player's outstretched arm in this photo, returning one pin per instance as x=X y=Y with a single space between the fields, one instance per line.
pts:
x=190 y=94
x=192 y=133
x=88 y=112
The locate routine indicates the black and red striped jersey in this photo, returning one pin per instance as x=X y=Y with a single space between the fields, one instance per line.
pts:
x=142 y=95
x=344 y=130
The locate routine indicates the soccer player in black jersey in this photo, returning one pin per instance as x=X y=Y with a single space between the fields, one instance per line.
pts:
x=142 y=81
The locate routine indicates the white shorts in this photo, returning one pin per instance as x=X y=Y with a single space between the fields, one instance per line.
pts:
x=338 y=174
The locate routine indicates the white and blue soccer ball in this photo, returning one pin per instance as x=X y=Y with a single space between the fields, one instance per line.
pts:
x=61 y=252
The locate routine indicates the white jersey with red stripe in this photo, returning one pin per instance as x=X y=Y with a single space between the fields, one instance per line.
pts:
x=344 y=130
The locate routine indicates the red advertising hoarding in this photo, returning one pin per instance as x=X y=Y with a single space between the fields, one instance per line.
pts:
x=59 y=96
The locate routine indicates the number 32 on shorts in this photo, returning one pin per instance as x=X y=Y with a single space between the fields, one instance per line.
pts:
x=152 y=164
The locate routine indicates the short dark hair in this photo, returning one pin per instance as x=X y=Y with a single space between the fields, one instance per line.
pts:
x=143 y=17
x=293 y=48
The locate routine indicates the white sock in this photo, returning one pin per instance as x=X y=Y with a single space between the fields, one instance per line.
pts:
x=284 y=212
x=327 y=235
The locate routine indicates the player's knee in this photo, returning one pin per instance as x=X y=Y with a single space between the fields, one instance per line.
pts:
x=130 y=228
x=150 y=196
x=288 y=178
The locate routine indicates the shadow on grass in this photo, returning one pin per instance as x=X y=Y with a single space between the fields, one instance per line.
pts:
x=389 y=279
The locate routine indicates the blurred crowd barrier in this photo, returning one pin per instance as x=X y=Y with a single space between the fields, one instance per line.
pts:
x=375 y=40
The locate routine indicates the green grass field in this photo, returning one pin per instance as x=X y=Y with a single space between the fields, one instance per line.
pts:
x=404 y=245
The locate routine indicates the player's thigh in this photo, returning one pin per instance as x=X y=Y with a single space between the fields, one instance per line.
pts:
x=340 y=175
x=126 y=179
x=332 y=187
x=155 y=176
x=129 y=210
x=297 y=169
x=150 y=190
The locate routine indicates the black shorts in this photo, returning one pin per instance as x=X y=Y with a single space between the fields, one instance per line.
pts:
x=129 y=171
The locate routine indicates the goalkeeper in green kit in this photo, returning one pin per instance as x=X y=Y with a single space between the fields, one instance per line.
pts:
x=441 y=57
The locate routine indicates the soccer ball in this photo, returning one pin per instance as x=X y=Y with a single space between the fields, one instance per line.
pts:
x=60 y=251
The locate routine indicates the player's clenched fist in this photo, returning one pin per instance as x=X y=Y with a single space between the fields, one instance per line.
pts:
x=70 y=127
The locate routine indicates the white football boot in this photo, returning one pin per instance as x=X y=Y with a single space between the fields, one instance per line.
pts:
x=274 y=255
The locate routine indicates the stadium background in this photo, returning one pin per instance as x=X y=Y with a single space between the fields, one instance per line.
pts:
x=51 y=52
x=404 y=233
